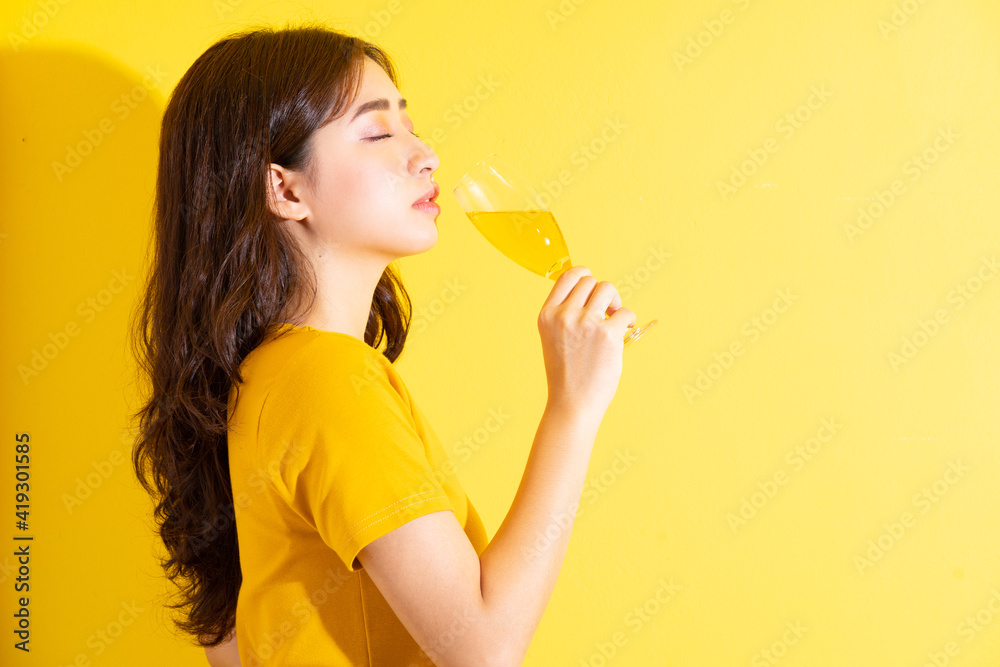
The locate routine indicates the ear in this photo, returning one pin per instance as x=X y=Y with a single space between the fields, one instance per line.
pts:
x=283 y=192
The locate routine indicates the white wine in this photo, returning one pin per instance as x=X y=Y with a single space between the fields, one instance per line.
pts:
x=530 y=238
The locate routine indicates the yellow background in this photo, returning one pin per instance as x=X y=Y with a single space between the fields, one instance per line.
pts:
x=701 y=508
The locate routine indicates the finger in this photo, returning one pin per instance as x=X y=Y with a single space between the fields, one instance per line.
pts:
x=624 y=318
x=601 y=299
x=616 y=303
x=580 y=293
x=564 y=284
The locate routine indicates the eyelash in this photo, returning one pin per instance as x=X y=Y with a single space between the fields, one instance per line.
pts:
x=383 y=136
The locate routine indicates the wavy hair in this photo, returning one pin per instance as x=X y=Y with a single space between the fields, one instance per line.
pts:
x=223 y=273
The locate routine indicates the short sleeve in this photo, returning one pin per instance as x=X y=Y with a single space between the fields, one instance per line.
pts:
x=341 y=446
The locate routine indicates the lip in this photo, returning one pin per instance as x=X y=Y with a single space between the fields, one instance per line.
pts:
x=430 y=195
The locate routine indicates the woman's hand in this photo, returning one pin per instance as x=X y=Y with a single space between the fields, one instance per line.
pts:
x=582 y=349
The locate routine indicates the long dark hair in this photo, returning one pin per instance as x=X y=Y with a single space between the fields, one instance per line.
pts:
x=224 y=272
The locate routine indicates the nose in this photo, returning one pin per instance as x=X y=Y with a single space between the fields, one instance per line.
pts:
x=423 y=158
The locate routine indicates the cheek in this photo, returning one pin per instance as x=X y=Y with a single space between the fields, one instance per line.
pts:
x=354 y=188
x=338 y=189
x=357 y=203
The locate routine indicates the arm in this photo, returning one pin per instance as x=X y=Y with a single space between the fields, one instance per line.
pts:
x=465 y=609
x=225 y=654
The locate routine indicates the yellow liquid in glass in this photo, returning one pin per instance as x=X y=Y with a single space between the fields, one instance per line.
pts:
x=530 y=238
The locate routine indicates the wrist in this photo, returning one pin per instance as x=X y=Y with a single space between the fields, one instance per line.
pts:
x=573 y=415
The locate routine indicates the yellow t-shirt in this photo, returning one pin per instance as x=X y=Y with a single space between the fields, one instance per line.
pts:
x=327 y=452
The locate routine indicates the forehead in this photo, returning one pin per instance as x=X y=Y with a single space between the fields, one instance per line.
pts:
x=375 y=83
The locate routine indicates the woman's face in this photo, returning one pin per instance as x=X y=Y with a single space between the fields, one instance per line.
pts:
x=369 y=171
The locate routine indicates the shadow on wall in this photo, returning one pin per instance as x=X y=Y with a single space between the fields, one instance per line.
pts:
x=80 y=143
x=80 y=140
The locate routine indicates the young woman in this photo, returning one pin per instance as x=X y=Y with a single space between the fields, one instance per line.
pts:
x=308 y=509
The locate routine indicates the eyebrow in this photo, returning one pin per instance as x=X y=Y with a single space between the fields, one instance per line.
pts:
x=381 y=104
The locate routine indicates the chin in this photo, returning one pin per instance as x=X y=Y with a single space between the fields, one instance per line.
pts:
x=419 y=241
x=431 y=239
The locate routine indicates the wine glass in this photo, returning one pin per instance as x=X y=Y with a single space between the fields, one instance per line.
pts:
x=509 y=213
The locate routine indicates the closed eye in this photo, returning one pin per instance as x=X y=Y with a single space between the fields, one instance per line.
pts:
x=383 y=136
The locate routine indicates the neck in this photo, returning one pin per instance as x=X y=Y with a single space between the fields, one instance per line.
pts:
x=345 y=289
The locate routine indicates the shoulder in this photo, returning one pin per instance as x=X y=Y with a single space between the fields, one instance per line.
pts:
x=327 y=397
x=331 y=372
x=304 y=353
